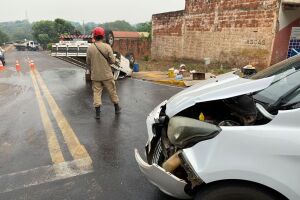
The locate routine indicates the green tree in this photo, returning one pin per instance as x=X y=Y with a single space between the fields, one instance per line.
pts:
x=44 y=39
x=119 y=25
x=63 y=27
x=89 y=27
x=3 y=37
x=45 y=27
x=17 y=30
x=20 y=35
x=54 y=29
x=144 y=27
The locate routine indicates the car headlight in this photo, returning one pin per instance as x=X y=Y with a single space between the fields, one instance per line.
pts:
x=185 y=132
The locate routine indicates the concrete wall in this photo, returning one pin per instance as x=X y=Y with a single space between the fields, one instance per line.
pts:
x=140 y=47
x=219 y=29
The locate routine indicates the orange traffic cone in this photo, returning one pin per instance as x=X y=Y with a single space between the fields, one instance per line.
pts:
x=31 y=64
x=1 y=66
x=18 y=66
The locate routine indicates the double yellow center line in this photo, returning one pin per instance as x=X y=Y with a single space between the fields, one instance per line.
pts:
x=77 y=150
x=54 y=148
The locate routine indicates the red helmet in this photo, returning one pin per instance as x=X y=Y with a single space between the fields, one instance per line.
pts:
x=98 y=31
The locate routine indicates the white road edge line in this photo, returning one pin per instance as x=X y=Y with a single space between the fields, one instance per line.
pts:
x=44 y=174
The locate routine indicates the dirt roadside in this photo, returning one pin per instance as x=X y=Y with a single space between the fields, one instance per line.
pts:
x=157 y=71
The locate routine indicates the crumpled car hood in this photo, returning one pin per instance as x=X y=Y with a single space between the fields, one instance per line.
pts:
x=222 y=87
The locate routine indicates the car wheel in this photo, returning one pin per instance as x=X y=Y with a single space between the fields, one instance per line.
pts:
x=238 y=191
x=131 y=58
x=109 y=36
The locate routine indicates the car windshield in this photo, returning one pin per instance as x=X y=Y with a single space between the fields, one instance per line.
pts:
x=294 y=98
x=283 y=83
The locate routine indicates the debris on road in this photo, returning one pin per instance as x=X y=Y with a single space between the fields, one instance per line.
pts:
x=165 y=78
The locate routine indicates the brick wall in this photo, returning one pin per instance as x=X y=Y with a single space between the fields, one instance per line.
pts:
x=219 y=29
x=167 y=30
x=140 y=47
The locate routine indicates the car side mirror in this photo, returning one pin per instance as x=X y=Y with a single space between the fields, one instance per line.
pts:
x=264 y=112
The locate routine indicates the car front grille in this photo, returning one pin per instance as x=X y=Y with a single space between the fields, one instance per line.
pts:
x=157 y=154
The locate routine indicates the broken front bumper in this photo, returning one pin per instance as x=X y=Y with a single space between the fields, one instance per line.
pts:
x=165 y=181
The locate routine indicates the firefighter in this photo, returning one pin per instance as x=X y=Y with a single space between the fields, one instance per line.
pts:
x=99 y=57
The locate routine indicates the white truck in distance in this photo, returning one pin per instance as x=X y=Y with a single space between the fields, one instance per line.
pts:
x=27 y=45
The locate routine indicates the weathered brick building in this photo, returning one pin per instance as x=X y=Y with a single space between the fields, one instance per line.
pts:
x=238 y=32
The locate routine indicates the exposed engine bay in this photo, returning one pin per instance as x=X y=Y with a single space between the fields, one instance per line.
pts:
x=236 y=111
x=200 y=122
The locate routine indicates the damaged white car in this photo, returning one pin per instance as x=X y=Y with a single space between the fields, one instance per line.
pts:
x=229 y=138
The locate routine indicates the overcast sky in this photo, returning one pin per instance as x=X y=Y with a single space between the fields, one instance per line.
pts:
x=133 y=11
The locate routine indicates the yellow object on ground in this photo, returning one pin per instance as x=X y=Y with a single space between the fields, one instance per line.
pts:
x=171 y=73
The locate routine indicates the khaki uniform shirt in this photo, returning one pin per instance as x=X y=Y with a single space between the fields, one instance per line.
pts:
x=100 y=68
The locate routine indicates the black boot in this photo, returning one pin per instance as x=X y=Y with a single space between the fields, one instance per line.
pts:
x=117 y=109
x=97 y=112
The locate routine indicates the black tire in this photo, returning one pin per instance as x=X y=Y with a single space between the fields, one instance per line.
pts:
x=109 y=37
x=236 y=191
x=131 y=58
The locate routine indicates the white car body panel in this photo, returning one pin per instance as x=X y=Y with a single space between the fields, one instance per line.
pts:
x=123 y=66
x=259 y=154
x=215 y=89
x=266 y=154
x=167 y=182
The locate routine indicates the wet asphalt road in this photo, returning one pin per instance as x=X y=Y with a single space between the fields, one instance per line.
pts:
x=26 y=164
